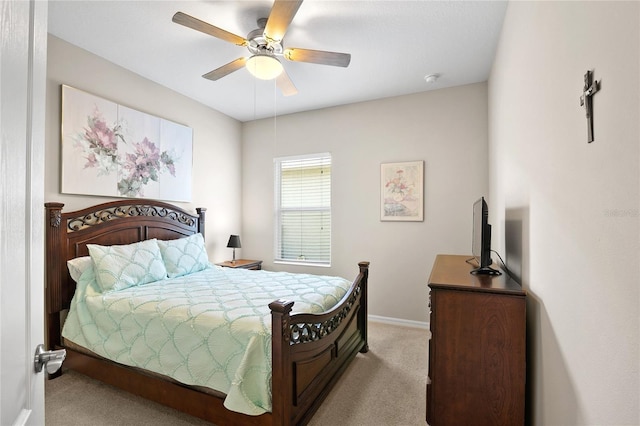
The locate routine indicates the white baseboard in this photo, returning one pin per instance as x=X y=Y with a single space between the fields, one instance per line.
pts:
x=398 y=321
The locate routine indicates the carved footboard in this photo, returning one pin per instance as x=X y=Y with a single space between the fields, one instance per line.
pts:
x=311 y=351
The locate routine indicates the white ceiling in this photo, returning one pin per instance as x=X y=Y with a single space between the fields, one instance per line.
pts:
x=393 y=46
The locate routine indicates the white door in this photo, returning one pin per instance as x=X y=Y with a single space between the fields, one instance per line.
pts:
x=23 y=56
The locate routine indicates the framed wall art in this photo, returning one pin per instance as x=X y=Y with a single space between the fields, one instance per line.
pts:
x=401 y=191
x=112 y=150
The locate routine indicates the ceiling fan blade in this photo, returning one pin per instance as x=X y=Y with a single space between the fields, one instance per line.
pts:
x=318 y=57
x=226 y=69
x=285 y=84
x=204 y=27
x=280 y=17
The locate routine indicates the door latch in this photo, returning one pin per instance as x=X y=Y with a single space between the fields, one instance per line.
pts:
x=52 y=360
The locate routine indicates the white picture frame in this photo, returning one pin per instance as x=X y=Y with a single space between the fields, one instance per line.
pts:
x=402 y=191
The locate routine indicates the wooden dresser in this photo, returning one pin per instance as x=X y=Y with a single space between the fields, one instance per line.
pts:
x=477 y=349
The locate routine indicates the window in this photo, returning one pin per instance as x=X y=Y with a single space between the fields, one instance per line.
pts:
x=303 y=209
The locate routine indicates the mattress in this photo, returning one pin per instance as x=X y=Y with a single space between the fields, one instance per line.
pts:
x=210 y=328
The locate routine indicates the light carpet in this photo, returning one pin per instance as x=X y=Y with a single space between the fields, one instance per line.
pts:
x=385 y=386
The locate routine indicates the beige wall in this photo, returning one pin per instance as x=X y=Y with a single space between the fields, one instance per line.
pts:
x=216 y=137
x=447 y=129
x=566 y=212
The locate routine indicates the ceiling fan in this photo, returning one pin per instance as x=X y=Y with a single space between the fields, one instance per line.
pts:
x=265 y=46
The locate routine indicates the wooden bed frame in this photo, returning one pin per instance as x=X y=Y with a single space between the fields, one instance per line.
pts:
x=309 y=351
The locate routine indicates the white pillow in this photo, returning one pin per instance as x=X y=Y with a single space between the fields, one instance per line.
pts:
x=184 y=255
x=119 y=267
x=78 y=265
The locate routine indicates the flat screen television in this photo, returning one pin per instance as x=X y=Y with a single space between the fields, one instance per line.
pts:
x=481 y=239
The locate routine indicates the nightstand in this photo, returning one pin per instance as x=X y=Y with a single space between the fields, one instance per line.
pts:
x=242 y=263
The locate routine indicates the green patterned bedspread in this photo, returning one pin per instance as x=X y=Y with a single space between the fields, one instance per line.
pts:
x=211 y=328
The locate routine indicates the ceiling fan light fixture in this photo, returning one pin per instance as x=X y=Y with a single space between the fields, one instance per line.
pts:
x=264 y=67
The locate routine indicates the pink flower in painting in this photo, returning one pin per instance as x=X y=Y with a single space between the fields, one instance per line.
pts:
x=148 y=150
x=100 y=143
x=99 y=135
x=397 y=185
x=145 y=164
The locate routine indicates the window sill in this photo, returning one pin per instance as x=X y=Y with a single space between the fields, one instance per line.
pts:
x=302 y=263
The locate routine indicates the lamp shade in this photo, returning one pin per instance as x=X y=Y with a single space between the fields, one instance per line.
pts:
x=234 y=241
x=264 y=67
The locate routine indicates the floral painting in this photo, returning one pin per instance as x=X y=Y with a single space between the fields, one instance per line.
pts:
x=112 y=150
x=401 y=197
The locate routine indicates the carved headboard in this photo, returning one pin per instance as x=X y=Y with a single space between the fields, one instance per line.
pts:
x=116 y=222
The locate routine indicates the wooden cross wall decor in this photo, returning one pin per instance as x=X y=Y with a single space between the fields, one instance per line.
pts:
x=591 y=87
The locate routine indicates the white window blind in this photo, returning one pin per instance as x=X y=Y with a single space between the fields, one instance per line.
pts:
x=303 y=209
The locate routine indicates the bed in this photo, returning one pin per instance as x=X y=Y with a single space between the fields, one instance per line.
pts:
x=309 y=352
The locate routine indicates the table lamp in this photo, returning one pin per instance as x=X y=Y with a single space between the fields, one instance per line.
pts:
x=234 y=243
